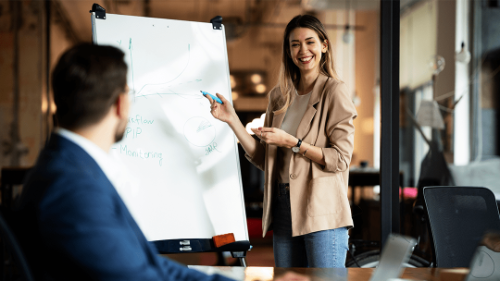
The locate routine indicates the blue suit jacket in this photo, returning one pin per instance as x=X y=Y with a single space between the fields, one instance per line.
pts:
x=74 y=225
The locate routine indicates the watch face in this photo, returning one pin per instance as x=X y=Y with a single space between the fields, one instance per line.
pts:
x=295 y=149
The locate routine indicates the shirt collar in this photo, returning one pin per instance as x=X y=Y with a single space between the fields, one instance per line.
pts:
x=123 y=180
x=107 y=164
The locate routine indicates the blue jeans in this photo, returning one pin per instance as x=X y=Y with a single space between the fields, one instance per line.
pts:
x=326 y=248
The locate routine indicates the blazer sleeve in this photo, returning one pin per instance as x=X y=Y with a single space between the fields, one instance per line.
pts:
x=258 y=159
x=88 y=226
x=339 y=129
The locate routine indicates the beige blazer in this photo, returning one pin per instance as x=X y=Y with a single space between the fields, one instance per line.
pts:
x=318 y=194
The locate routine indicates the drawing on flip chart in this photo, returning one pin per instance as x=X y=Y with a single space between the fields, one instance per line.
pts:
x=131 y=63
x=184 y=89
x=199 y=131
x=159 y=88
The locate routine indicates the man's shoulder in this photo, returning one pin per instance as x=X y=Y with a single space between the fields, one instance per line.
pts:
x=61 y=157
x=62 y=166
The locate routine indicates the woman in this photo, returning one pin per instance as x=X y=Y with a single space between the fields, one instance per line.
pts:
x=305 y=149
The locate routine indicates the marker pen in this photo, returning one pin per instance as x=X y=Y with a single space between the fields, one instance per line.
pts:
x=215 y=98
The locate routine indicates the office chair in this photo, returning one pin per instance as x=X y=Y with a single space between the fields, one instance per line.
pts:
x=11 y=256
x=12 y=253
x=10 y=177
x=458 y=217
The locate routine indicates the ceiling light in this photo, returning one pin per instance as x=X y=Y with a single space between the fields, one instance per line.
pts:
x=235 y=95
x=347 y=37
x=464 y=55
x=437 y=64
x=261 y=88
x=256 y=78
x=233 y=81
x=429 y=115
x=356 y=100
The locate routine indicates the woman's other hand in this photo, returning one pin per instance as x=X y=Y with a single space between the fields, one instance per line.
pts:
x=275 y=136
x=223 y=112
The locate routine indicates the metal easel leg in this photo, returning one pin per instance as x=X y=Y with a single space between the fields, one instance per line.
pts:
x=241 y=255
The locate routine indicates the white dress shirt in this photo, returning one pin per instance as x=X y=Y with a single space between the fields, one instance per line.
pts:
x=122 y=179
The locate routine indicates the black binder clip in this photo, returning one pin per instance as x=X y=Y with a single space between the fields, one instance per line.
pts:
x=99 y=11
x=217 y=22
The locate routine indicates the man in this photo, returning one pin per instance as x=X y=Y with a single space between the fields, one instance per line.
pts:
x=73 y=224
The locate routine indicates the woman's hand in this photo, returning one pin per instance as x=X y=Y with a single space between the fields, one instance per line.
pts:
x=275 y=136
x=223 y=112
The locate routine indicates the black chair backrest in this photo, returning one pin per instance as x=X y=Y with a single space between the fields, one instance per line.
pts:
x=14 y=252
x=10 y=177
x=459 y=217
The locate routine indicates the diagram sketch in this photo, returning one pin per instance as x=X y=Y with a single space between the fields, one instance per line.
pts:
x=199 y=131
x=163 y=87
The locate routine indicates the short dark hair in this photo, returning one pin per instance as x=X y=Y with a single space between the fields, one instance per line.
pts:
x=86 y=81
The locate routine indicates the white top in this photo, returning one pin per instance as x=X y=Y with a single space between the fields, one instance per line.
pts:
x=293 y=116
x=115 y=171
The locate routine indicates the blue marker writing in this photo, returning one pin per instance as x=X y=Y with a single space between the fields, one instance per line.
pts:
x=212 y=96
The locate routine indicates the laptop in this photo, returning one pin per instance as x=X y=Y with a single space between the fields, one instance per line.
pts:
x=485 y=264
x=396 y=252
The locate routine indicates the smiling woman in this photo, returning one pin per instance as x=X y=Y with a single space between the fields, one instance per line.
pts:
x=306 y=51
x=305 y=149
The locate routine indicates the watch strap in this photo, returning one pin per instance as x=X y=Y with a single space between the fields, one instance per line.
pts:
x=299 y=143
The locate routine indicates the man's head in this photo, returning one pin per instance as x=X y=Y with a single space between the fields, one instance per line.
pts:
x=88 y=81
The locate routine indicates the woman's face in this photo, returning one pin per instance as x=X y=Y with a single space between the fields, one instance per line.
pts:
x=306 y=49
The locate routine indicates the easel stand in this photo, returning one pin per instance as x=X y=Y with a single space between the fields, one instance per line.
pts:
x=109 y=29
x=238 y=249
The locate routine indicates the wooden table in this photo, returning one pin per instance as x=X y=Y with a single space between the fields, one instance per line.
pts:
x=254 y=273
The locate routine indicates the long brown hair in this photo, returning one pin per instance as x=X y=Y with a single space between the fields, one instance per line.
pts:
x=289 y=76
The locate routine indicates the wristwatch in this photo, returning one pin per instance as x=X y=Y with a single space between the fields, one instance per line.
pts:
x=296 y=148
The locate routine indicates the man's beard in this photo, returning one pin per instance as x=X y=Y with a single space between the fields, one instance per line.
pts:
x=120 y=130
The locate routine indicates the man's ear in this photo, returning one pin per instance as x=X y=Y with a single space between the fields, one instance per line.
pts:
x=122 y=105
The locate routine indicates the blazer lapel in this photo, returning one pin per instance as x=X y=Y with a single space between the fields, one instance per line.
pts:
x=305 y=123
